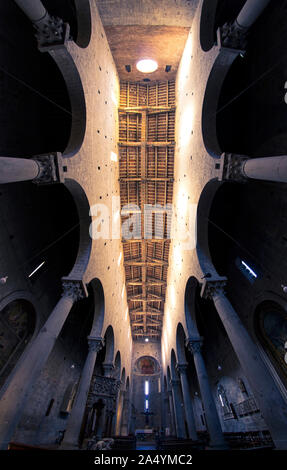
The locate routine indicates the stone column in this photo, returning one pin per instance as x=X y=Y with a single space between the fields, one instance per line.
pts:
x=44 y=169
x=269 y=399
x=182 y=370
x=213 y=424
x=108 y=369
x=34 y=360
x=33 y=9
x=241 y=168
x=119 y=413
x=125 y=415
x=50 y=30
x=71 y=439
x=116 y=418
x=172 y=417
x=234 y=34
x=250 y=12
x=178 y=409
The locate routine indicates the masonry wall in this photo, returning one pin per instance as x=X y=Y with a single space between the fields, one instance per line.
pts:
x=138 y=398
x=23 y=228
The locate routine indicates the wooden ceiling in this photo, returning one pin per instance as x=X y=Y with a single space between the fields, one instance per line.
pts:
x=164 y=44
x=146 y=153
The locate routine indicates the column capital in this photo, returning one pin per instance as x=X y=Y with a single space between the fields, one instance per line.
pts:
x=232 y=167
x=95 y=343
x=51 y=32
x=74 y=288
x=50 y=169
x=174 y=382
x=108 y=368
x=212 y=287
x=194 y=344
x=233 y=36
x=182 y=368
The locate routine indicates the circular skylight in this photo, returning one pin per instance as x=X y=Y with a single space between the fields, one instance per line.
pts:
x=147 y=66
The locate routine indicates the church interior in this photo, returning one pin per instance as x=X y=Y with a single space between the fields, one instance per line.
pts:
x=143 y=294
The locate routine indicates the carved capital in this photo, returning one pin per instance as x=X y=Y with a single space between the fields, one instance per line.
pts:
x=95 y=343
x=174 y=382
x=75 y=289
x=212 y=287
x=51 y=32
x=50 y=169
x=108 y=368
x=194 y=344
x=181 y=368
x=233 y=36
x=232 y=167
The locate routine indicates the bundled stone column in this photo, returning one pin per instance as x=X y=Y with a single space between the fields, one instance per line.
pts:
x=241 y=168
x=213 y=424
x=182 y=370
x=35 y=358
x=178 y=409
x=270 y=401
x=42 y=169
x=72 y=433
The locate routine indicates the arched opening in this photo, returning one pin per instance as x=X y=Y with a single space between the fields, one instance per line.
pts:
x=271 y=329
x=253 y=90
x=97 y=292
x=214 y=14
x=35 y=105
x=43 y=224
x=17 y=325
x=248 y=257
x=109 y=345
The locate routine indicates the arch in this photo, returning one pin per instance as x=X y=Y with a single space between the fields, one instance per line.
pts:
x=214 y=85
x=165 y=384
x=180 y=344
x=18 y=326
x=123 y=376
x=202 y=220
x=99 y=306
x=168 y=376
x=270 y=326
x=109 y=345
x=72 y=78
x=207 y=24
x=173 y=362
x=128 y=384
x=84 y=22
x=118 y=365
x=191 y=290
x=85 y=243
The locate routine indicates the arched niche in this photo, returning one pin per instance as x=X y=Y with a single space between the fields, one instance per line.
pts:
x=35 y=102
x=109 y=345
x=146 y=365
x=95 y=289
x=270 y=321
x=214 y=13
x=17 y=326
x=77 y=13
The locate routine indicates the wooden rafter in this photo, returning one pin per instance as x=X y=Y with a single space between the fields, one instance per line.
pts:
x=146 y=155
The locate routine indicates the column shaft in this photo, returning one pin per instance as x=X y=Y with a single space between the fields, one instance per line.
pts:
x=250 y=12
x=34 y=9
x=188 y=406
x=172 y=417
x=268 y=397
x=268 y=169
x=72 y=433
x=15 y=396
x=17 y=169
x=178 y=410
